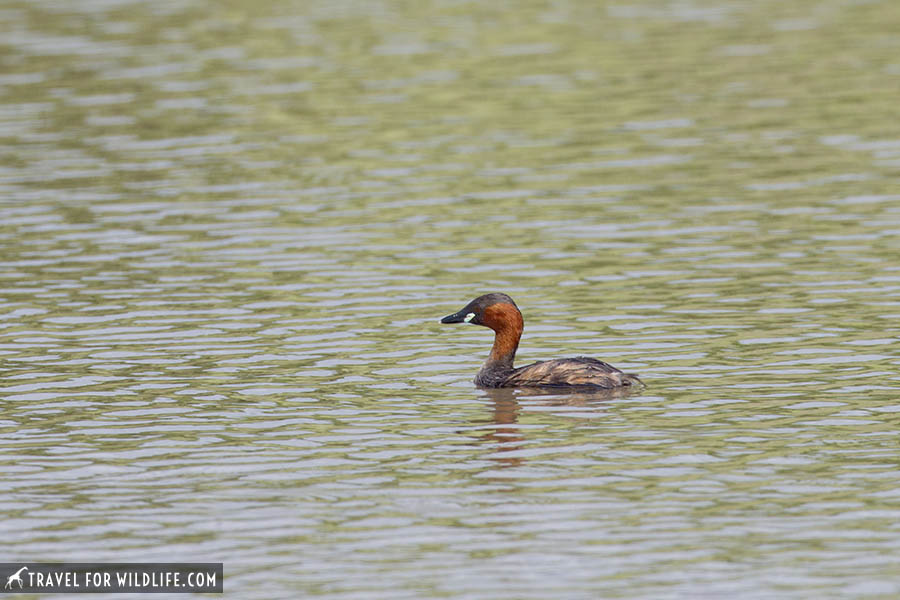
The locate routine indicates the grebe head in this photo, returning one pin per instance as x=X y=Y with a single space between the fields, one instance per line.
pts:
x=491 y=310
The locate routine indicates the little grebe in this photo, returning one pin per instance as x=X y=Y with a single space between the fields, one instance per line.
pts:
x=500 y=313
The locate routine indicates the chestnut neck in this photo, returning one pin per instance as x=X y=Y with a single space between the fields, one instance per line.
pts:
x=507 y=323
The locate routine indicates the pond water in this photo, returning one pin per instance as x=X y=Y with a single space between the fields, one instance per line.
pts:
x=228 y=230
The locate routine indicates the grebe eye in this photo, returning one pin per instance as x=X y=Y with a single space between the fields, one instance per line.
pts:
x=469 y=317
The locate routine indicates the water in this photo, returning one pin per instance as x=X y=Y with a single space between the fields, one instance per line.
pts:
x=228 y=231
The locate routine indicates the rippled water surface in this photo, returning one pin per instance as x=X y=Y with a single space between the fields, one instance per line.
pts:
x=228 y=230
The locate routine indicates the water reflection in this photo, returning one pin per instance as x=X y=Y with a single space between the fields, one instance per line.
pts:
x=507 y=404
x=505 y=434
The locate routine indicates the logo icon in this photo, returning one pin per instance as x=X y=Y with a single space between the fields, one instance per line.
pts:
x=17 y=576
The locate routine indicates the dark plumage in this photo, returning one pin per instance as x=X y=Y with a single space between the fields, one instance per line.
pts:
x=499 y=312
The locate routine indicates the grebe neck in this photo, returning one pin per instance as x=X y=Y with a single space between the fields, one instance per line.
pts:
x=503 y=352
x=506 y=321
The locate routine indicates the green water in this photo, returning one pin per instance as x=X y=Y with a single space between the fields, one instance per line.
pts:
x=228 y=230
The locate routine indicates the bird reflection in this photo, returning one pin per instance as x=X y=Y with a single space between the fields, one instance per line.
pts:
x=506 y=406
